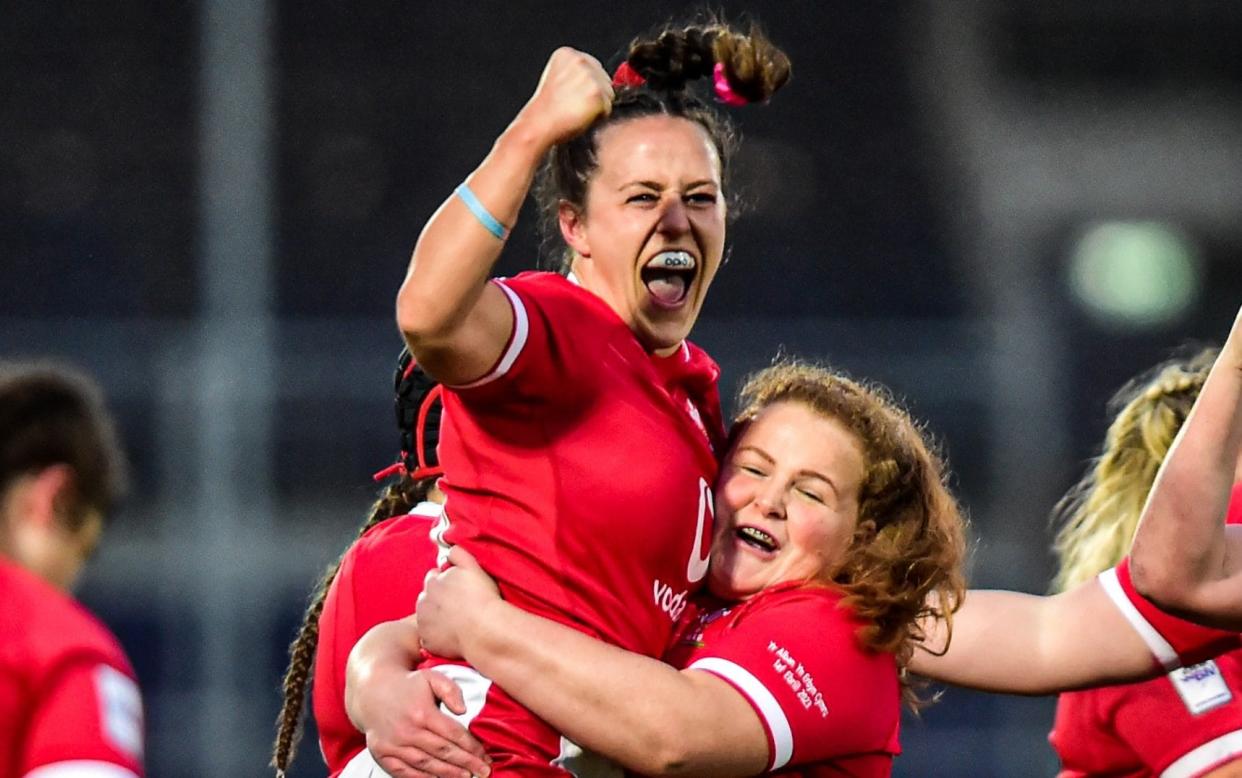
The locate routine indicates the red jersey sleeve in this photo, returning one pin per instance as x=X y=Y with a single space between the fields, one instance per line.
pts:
x=1173 y=641
x=88 y=723
x=557 y=327
x=794 y=656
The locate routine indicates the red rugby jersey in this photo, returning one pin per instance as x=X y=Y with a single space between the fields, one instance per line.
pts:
x=830 y=707
x=380 y=578
x=579 y=471
x=69 y=701
x=1181 y=725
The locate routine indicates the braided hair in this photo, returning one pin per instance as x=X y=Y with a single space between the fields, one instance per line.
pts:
x=1100 y=514
x=418 y=418
x=668 y=64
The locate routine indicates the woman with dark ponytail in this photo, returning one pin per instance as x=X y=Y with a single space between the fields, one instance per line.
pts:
x=582 y=427
x=368 y=584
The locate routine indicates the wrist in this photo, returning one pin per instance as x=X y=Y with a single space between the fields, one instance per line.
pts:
x=477 y=633
x=525 y=139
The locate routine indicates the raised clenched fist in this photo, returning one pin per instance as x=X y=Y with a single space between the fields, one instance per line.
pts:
x=573 y=92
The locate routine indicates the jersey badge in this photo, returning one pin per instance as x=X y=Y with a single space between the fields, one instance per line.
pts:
x=1201 y=687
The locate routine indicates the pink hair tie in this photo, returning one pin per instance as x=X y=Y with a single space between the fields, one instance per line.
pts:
x=724 y=92
x=627 y=76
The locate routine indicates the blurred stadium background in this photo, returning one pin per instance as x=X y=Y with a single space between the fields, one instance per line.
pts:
x=1001 y=209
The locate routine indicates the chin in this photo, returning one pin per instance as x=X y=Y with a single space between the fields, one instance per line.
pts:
x=656 y=343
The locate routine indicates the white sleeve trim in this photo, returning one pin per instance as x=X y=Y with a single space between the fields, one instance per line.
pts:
x=81 y=768
x=1156 y=643
x=521 y=329
x=770 y=710
x=1207 y=756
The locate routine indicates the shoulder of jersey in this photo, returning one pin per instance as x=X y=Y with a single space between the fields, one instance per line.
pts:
x=822 y=601
x=50 y=625
x=398 y=534
x=555 y=289
x=397 y=525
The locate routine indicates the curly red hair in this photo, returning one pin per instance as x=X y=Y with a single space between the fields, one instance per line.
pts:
x=905 y=560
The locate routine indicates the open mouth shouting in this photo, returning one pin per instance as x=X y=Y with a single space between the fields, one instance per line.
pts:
x=757 y=539
x=668 y=277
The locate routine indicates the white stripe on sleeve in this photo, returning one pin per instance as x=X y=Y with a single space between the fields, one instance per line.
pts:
x=81 y=768
x=770 y=710
x=1156 y=643
x=1209 y=755
x=521 y=329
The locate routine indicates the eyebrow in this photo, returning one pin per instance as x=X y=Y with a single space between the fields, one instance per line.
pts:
x=660 y=187
x=804 y=472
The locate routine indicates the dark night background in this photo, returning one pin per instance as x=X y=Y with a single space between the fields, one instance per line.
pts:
x=210 y=205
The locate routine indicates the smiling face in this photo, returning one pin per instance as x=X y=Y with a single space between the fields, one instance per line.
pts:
x=786 y=501
x=651 y=237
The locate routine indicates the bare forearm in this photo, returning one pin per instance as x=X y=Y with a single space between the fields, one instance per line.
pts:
x=386 y=649
x=1180 y=557
x=634 y=710
x=451 y=329
x=455 y=252
x=1028 y=644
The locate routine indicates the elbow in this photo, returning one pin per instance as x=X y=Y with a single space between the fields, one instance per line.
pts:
x=1168 y=586
x=664 y=756
x=421 y=318
x=649 y=749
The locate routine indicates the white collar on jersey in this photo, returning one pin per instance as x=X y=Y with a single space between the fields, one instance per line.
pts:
x=427 y=509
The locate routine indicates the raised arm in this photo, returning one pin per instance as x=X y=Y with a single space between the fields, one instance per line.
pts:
x=1184 y=557
x=1029 y=644
x=456 y=324
x=637 y=711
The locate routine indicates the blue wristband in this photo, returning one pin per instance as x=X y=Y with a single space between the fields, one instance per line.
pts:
x=488 y=221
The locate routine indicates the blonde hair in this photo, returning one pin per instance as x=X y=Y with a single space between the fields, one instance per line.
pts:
x=1100 y=513
x=910 y=538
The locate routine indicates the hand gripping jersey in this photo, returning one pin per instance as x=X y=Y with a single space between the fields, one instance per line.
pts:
x=578 y=473
x=380 y=578
x=830 y=706
x=69 y=702
x=1181 y=725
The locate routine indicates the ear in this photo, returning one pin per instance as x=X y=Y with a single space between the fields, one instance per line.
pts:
x=48 y=494
x=573 y=228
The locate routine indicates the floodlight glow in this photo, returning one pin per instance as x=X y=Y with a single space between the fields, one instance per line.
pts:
x=1135 y=274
